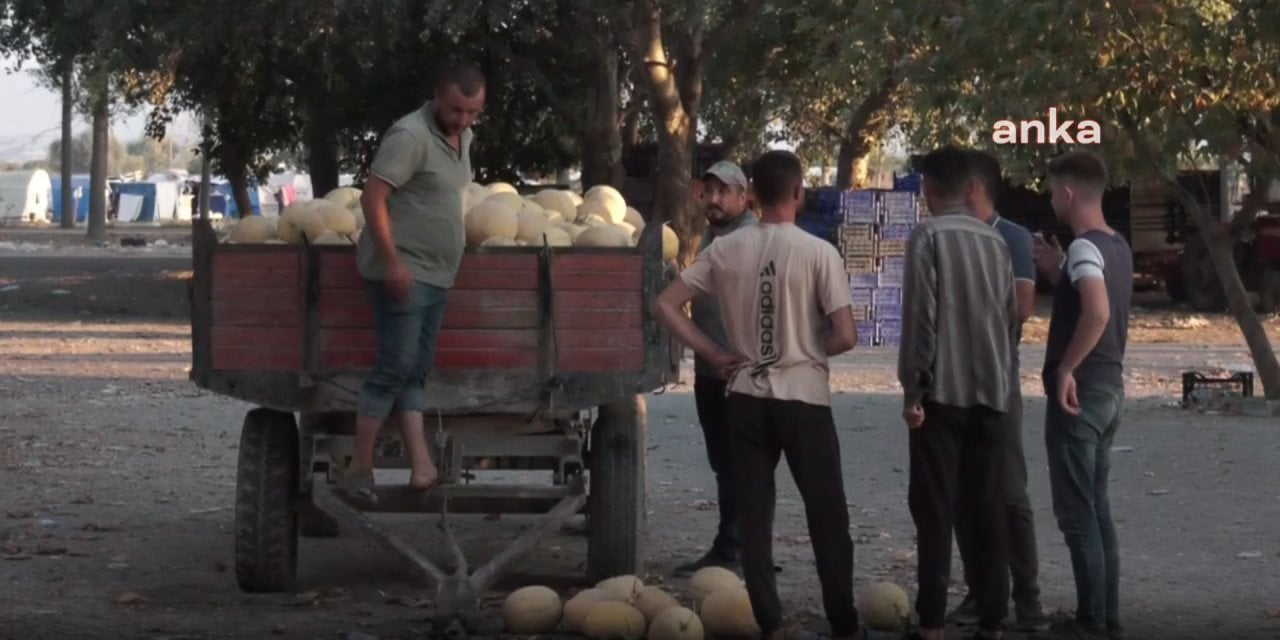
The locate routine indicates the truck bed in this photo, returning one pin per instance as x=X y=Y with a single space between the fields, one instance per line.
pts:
x=525 y=328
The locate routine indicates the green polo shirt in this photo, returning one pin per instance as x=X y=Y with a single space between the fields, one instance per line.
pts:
x=425 y=206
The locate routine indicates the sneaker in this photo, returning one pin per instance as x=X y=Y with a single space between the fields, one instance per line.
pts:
x=713 y=558
x=967 y=613
x=1031 y=618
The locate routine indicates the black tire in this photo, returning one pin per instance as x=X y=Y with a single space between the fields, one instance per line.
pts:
x=1269 y=291
x=313 y=522
x=617 y=500
x=266 y=498
x=1200 y=278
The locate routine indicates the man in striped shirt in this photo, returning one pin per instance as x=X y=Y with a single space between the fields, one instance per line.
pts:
x=956 y=367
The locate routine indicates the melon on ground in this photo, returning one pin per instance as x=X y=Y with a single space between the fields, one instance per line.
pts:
x=576 y=608
x=625 y=586
x=533 y=609
x=676 y=623
x=253 y=230
x=652 y=601
x=709 y=579
x=612 y=620
x=884 y=606
x=603 y=236
x=491 y=219
x=727 y=613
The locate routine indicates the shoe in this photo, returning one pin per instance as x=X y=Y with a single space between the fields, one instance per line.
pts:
x=712 y=558
x=1070 y=630
x=966 y=614
x=1031 y=618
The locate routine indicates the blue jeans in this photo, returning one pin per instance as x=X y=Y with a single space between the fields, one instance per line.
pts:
x=1079 y=452
x=406 y=333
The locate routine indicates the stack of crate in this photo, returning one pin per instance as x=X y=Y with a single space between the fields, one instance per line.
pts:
x=822 y=214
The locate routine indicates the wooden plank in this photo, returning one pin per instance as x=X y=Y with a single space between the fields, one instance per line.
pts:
x=600 y=339
x=497 y=279
x=567 y=263
x=597 y=281
x=257 y=349
x=478 y=271
x=601 y=360
x=256 y=308
x=467 y=308
x=445 y=360
x=449 y=339
x=605 y=319
x=592 y=300
x=263 y=270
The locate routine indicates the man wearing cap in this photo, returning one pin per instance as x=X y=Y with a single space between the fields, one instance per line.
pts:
x=724 y=203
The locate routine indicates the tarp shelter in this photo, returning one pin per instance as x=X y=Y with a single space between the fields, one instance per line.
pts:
x=147 y=201
x=300 y=182
x=79 y=200
x=222 y=201
x=25 y=195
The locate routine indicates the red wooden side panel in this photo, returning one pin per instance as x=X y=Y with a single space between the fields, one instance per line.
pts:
x=599 y=312
x=490 y=322
x=257 y=314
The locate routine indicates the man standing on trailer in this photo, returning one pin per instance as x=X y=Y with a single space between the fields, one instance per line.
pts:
x=776 y=287
x=1024 y=563
x=724 y=201
x=955 y=364
x=409 y=254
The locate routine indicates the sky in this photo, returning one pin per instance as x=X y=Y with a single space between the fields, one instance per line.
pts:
x=31 y=116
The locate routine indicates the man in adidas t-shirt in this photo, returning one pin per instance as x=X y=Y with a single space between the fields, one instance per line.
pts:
x=777 y=286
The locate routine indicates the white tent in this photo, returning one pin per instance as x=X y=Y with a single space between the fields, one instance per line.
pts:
x=301 y=183
x=26 y=195
x=168 y=197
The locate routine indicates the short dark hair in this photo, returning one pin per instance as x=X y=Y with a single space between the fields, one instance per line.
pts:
x=948 y=169
x=1083 y=167
x=986 y=169
x=465 y=76
x=774 y=175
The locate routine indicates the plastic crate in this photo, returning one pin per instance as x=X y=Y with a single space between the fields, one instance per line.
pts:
x=888 y=332
x=864 y=280
x=866 y=333
x=886 y=295
x=898 y=232
x=862 y=296
x=862 y=312
x=889 y=248
x=860 y=264
x=913 y=182
x=860 y=207
x=891 y=271
x=887 y=311
x=1198 y=388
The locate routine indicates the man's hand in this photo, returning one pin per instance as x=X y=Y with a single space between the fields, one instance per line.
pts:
x=399 y=280
x=726 y=362
x=1067 y=392
x=1048 y=255
x=914 y=415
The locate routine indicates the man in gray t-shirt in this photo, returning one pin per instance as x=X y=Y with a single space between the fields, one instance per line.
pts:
x=409 y=254
x=724 y=201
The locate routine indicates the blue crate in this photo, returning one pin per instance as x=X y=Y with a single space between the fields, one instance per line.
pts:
x=888 y=332
x=823 y=200
x=860 y=207
x=886 y=295
x=866 y=333
x=893 y=265
x=862 y=296
x=913 y=182
x=896 y=232
x=868 y=280
x=886 y=311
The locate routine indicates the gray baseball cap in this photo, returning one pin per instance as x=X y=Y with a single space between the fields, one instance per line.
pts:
x=728 y=173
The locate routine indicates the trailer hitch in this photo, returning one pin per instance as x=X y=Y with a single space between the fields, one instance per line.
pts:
x=457 y=593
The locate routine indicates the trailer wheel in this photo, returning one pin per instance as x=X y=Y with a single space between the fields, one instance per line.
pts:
x=266 y=496
x=617 y=499
x=1269 y=291
x=1200 y=279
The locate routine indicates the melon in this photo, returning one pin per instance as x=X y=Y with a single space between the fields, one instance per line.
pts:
x=574 y=230
x=556 y=237
x=884 y=606
x=670 y=243
x=533 y=609
x=336 y=218
x=559 y=201
x=275 y=241
x=473 y=195
x=496 y=188
x=594 y=208
x=676 y=623
x=253 y=230
x=530 y=225
x=625 y=586
x=300 y=220
x=709 y=579
x=508 y=200
x=577 y=607
x=593 y=221
x=498 y=241
x=611 y=620
x=329 y=237
x=609 y=199
x=634 y=218
x=631 y=230
x=603 y=236
x=652 y=601
x=727 y=612
x=577 y=199
x=345 y=197
x=491 y=219
x=531 y=206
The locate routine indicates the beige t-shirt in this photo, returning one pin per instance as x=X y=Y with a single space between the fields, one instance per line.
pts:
x=775 y=285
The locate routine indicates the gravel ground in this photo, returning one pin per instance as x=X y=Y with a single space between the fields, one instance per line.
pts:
x=118 y=480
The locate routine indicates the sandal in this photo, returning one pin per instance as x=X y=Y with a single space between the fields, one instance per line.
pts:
x=358 y=486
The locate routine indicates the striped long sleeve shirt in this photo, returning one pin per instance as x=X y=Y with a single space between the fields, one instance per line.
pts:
x=959 y=315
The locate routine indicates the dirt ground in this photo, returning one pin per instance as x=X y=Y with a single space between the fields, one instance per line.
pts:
x=118 y=478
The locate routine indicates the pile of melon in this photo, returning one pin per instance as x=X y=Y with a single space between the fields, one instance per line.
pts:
x=497 y=215
x=334 y=219
x=624 y=607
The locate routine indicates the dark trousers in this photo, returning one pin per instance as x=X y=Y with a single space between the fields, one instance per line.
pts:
x=763 y=431
x=713 y=415
x=1079 y=452
x=957 y=455
x=1024 y=562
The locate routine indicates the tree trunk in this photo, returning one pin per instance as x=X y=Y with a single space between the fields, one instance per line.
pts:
x=1220 y=249
x=98 y=165
x=865 y=124
x=672 y=201
x=68 y=203
x=322 y=152
x=602 y=133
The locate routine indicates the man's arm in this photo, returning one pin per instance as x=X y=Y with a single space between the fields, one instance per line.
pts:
x=1085 y=267
x=919 y=319
x=1022 y=254
x=836 y=301
x=373 y=201
x=668 y=307
x=398 y=158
